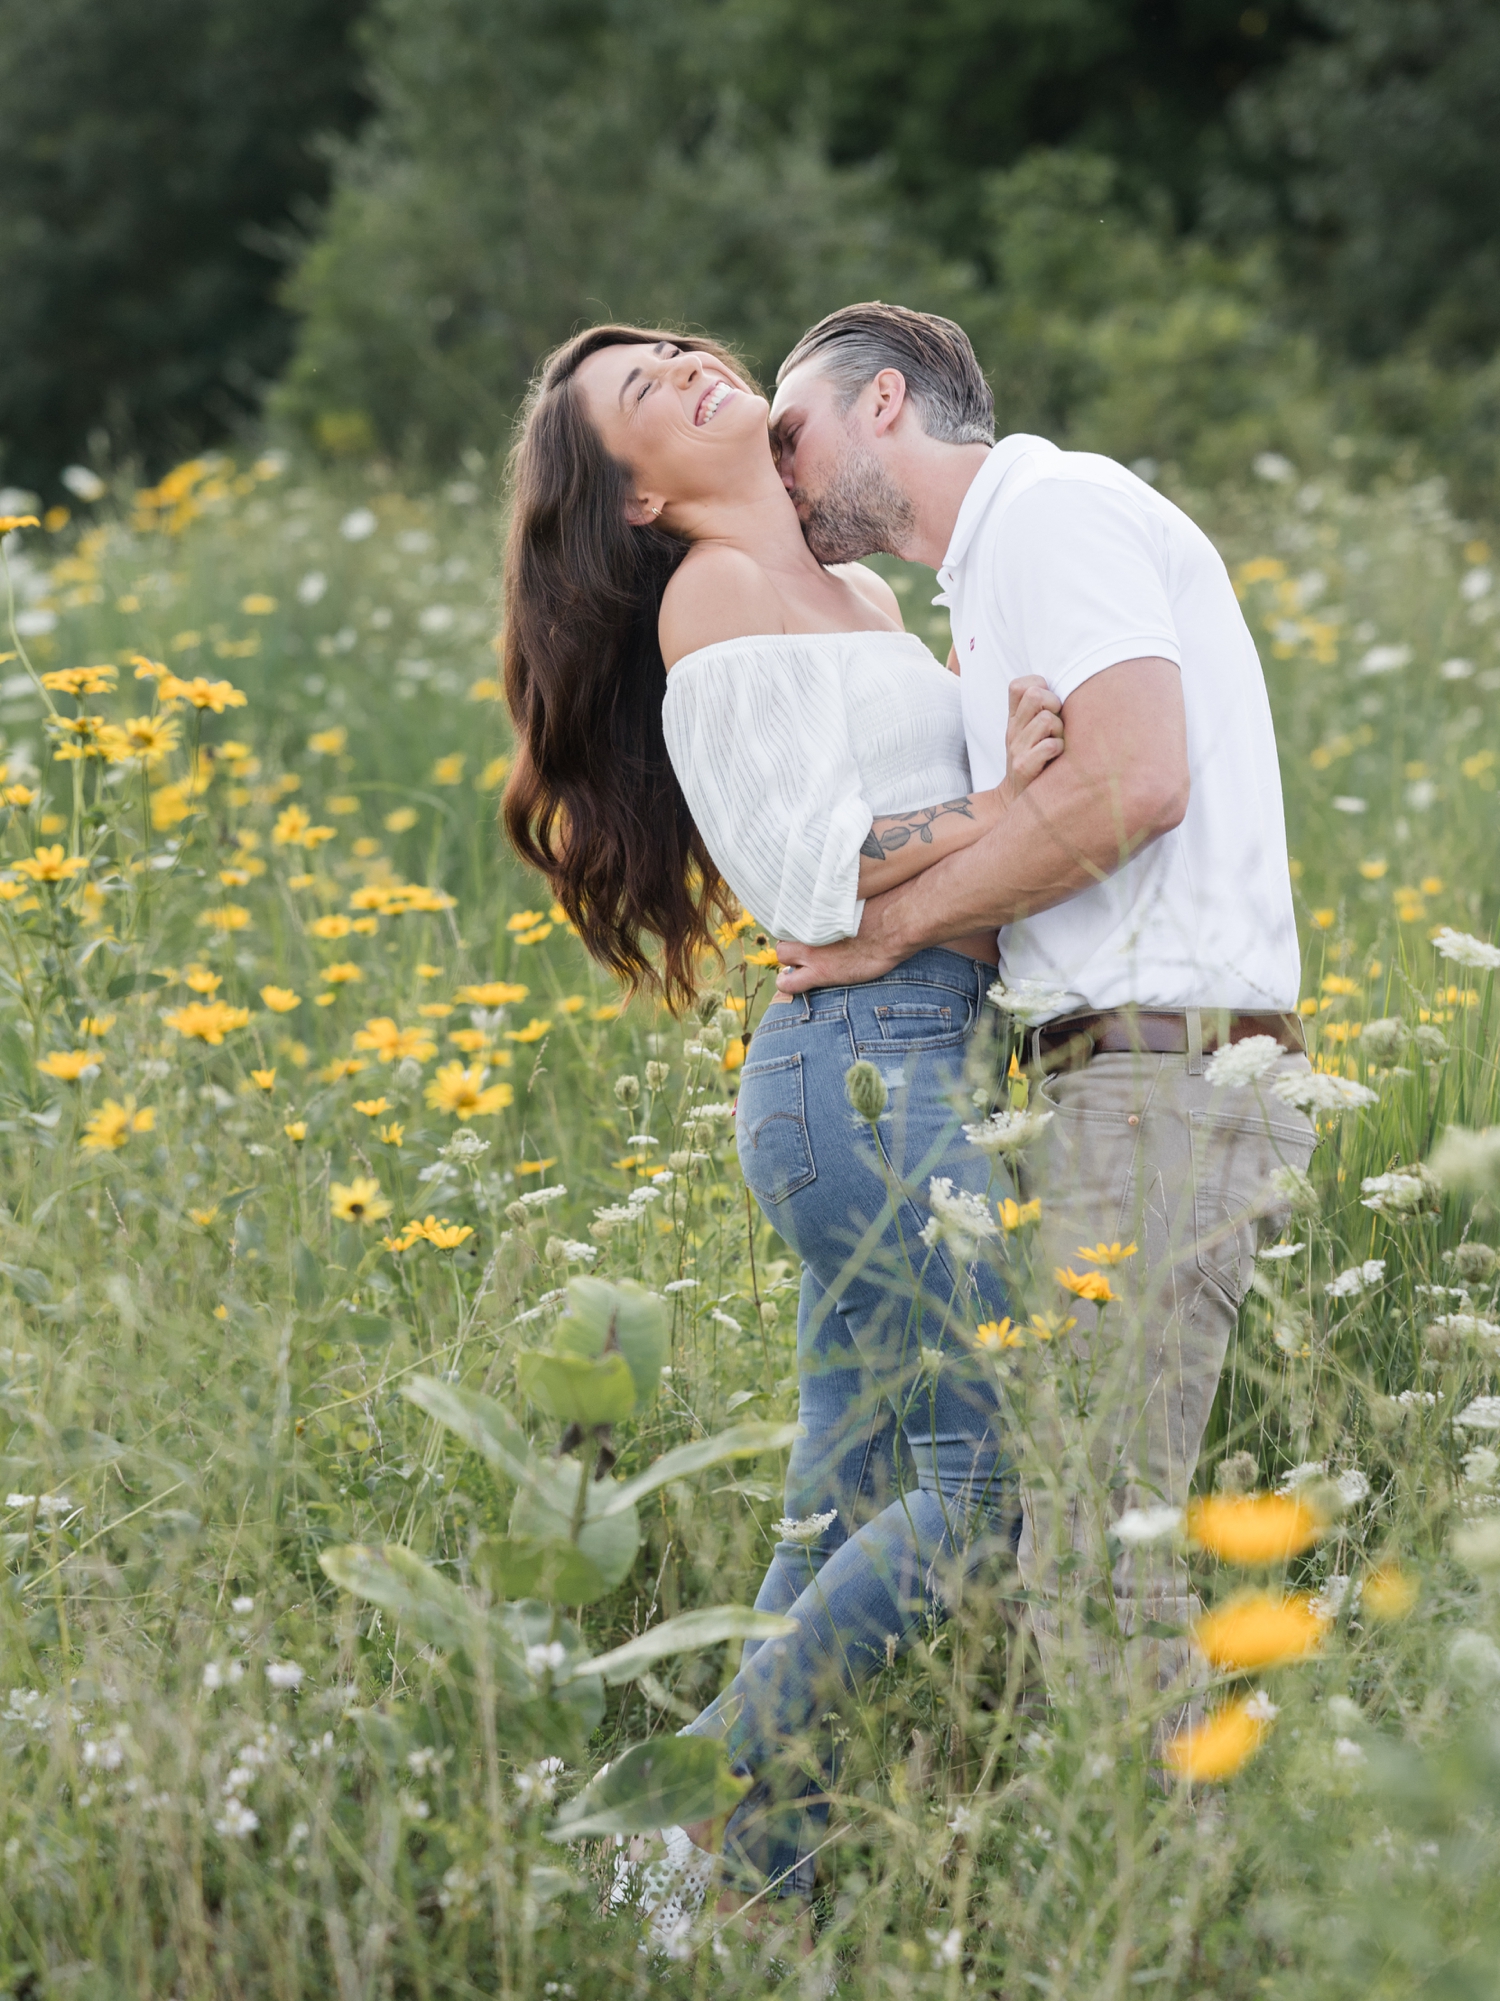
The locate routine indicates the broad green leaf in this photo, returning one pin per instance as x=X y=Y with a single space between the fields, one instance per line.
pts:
x=544 y=1510
x=523 y=1567
x=575 y=1688
x=397 y=1581
x=577 y=1390
x=682 y=1635
x=307 y=1277
x=741 y=1441
x=604 y=1316
x=670 y=1780
x=370 y=1330
x=479 y=1421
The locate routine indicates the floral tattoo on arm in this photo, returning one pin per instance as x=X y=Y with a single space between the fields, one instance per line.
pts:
x=889 y=834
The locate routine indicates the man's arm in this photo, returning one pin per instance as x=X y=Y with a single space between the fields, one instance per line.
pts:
x=1121 y=780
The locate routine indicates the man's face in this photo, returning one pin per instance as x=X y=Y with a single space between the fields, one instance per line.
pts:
x=846 y=500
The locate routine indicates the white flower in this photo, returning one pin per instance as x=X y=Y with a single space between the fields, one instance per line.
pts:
x=213 y=1675
x=1398 y=1194
x=1345 y=802
x=1483 y=1414
x=1457 y=670
x=1420 y=1399
x=1028 y=1000
x=358 y=525
x=1329 y=1602
x=1006 y=1132
x=312 y=587
x=960 y=1219
x=1274 y=467
x=283 y=1674
x=726 y=1320
x=947 y=1947
x=1385 y=659
x=681 y=1285
x=1292 y=1186
x=1466 y=950
x=1347 y=1754
x=237 y=1820
x=807 y=1530
x=1242 y=1063
x=1316 y=1091
x=1274 y=1253
x=1138 y=1526
x=1357 y=1279
x=1469 y=1326
x=88 y=486
x=48 y=1506
x=1481 y=1466
x=1303 y=1475
x=1260 y=1708
x=1475 y=1658
x=1353 y=1487
x=539 y=1780
x=435 y=618
x=546 y=1658
x=1467 y=1160
x=467 y=1146
x=1475 y=585
x=242 y=1605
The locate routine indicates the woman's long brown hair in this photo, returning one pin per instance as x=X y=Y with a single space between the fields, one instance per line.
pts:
x=592 y=799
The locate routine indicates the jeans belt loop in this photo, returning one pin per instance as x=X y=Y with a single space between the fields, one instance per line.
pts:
x=1193 y=1021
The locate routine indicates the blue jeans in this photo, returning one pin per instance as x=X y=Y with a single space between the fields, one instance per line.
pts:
x=903 y=1426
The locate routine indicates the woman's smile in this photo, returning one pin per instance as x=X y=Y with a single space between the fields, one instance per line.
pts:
x=710 y=403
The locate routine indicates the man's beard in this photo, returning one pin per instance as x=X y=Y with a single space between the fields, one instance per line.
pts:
x=861 y=512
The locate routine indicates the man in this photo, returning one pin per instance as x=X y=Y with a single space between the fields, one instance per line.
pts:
x=1140 y=891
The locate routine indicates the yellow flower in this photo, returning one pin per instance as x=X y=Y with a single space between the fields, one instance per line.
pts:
x=1390 y=1593
x=1256 y=1630
x=296 y=1130
x=1107 y=1254
x=202 y=981
x=264 y=1080
x=534 y=1030
x=1432 y=885
x=1325 y=919
x=340 y=1067
x=280 y=1000
x=113 y=1124
x=1217 y=1748
x=392 y=1044
x=335 y=925
x=71 y=1064
x=300 y=881
x=292 y=822
x=487 y=690
x=366 y=927
x=492 y=993
x=999 y=1334
x=170 y=806
x=734 y=1053
x=393 y=1134
x=227 y=917
x=51 y=865
x=10 y=522
x=343 y=803
x=207 y=1021
x=449 y=770
x=372 y=1107
x=358 y=1201
x=97 y=1024
x=401 y=820
x=573 y=1004
x=470 y=1040
x=493 y=774
x=20 y=795
x=536 y=1166
x=765 y=957
x=436 y=1010
x=1252 y=1529
x=1016 y=1215
x=80 y=680
x=234 y=878
x=611 y=1011
x=365 y=849
x=1091 y=1285
x=342 y=974
x=410 y=1234
x=426 y=972
x=445 y=1236
x=148 y=670
x=257 y=605
x=329 y=742
x=1373 y=870
x=201 y=693
x=534 y=937
x=205 y=1218
x=463 y=1093
x=1052 y=1326
x=524 y=920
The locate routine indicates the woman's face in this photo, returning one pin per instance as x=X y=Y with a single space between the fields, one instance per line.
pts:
x=683 y=421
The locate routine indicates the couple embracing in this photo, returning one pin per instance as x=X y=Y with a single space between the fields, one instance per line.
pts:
x=712 y=695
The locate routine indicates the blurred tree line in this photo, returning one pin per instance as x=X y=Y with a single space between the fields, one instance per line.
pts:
x=1177 y=229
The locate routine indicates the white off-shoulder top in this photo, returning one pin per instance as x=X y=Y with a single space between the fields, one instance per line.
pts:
x=787 y=745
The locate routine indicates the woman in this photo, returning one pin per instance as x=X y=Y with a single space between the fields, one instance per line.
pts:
x=701 y=707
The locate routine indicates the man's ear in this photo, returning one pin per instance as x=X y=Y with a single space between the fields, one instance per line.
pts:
x=890 y=399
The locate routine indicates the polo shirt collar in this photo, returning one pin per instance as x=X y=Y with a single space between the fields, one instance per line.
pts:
x=986 y=484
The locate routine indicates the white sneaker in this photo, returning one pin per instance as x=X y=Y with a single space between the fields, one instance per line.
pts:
x=668 y=1892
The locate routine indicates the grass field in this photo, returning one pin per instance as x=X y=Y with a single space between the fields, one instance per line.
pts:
x=309 y=1099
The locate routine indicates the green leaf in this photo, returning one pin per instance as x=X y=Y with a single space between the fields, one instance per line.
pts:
x=741 y=1441
x=670 y=1780
x=682 y=1635
x=14 y=1055
x=133 y=983
x=307 y=1277
x=544 y=1509
x=526 y=1567
x=399 y=1582
x=370 y=1330
x=604 y=1316
x=480 y=1422
x=577 y=1390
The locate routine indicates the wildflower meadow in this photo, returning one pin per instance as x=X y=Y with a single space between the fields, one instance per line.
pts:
x=395 y=1374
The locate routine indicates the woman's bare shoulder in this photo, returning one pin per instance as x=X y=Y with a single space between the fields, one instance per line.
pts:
x=715 y=594
x=873 y=588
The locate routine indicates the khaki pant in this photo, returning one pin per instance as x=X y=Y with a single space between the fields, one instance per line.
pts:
x=1142 y=1151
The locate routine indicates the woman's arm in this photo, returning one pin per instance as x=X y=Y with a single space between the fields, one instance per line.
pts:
x=900 y=845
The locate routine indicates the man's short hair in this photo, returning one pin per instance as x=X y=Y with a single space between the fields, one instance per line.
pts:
x=942 y=372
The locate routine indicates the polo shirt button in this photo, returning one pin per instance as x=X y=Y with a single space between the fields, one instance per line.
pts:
x=1134 y=1119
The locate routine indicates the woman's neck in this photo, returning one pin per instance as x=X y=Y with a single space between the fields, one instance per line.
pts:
x=757 y=519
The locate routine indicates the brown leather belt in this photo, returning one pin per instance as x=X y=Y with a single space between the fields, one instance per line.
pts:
x=1074 y=1039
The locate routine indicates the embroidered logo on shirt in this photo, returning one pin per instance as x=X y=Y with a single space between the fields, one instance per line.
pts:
x=971 y=644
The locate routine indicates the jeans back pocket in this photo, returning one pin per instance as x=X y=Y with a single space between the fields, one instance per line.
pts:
x=774 y=1145
x=925 y=1024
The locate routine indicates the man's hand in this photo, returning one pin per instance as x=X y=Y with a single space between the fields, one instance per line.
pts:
x=849 y=963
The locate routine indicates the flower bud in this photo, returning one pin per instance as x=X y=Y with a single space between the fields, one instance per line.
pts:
x=1431 y=1042
x=1472 y=1262
x=865 y=1088
x=628 y=1092
x=517 y=1213
x=657 y=1075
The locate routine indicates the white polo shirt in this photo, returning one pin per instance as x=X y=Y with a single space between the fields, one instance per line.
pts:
x=1063 y=564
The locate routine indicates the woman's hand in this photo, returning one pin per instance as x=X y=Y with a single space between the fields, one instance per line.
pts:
x=1033 y=734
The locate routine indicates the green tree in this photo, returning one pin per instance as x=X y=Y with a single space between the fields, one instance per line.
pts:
x=150 y=160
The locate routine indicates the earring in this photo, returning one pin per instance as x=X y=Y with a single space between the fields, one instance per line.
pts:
x=654 y=512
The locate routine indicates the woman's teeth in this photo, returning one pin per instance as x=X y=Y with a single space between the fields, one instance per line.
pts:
x=708 y=409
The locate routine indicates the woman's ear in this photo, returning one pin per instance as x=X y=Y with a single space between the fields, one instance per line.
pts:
x=641 y=510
